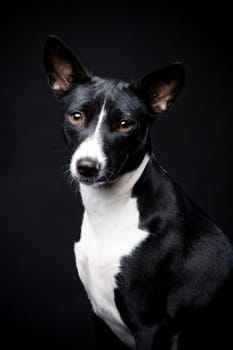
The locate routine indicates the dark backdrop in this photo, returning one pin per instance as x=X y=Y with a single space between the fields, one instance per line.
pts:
x=43 y=304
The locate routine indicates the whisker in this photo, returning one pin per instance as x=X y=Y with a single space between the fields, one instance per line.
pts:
x=72 y=182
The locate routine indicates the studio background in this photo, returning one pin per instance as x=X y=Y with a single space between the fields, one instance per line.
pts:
x=42 y=302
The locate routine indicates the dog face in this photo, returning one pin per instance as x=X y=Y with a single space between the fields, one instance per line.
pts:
x=107 y=122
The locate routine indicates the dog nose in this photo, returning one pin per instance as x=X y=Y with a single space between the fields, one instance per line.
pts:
x=88 y=167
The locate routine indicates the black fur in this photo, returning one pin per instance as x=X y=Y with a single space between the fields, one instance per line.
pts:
x=175 y=291
x=177 y=287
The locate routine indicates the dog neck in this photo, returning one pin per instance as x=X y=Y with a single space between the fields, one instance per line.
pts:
x=98 y=198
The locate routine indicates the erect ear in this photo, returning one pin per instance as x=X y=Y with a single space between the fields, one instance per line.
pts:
x=62 y=67
x=160 y=88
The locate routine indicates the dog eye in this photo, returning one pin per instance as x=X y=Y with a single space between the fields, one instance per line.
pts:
x=125 y=125
x=77 y=118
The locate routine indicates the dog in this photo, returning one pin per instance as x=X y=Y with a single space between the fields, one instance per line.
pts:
x=157 y=270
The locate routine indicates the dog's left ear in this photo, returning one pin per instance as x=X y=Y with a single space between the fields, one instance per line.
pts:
x=63 y=69
x=160 y=89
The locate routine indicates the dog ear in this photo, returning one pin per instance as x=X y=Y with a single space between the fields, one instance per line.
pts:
x=160 y=88
x=62 y=67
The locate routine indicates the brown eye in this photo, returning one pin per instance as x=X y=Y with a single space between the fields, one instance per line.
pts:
x=77 y=118
x=125 y=125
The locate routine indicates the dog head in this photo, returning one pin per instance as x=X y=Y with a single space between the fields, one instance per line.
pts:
x=107 y=122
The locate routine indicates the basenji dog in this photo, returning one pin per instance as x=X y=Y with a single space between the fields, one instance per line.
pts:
x=157 y=270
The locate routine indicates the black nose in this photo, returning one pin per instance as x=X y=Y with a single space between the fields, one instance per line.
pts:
x=88 y=167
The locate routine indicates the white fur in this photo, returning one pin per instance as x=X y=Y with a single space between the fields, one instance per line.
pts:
x=109 y=232
x=91 y=148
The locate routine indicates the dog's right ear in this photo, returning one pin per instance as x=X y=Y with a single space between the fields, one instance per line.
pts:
x=63 y=69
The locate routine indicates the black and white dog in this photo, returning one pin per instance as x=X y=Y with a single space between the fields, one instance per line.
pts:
x=156 y=269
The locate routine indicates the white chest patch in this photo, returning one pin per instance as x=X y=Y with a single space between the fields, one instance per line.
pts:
x=109 y=232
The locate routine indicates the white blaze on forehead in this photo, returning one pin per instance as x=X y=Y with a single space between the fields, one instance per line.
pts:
x=100 y=119
x=91 y=147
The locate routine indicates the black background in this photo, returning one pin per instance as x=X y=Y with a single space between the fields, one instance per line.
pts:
x=42 y=302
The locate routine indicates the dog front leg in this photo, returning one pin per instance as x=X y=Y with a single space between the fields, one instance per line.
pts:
x=105 y=338
x=151 y=339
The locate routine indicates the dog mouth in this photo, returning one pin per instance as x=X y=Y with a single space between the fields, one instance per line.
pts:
x=100 y=180
x=94 y=181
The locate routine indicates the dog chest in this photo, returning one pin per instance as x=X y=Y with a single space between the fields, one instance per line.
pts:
x=109 y=233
